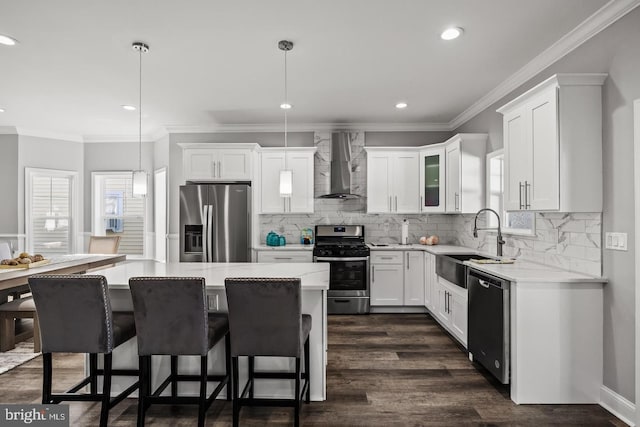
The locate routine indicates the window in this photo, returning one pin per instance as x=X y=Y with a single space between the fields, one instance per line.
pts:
x=117 y=213
x=50 y=211
x=512 y=222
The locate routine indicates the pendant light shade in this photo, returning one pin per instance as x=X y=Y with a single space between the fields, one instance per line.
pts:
x=286 y=183
x=286 y=175
x=139 y=178
x=139 y=183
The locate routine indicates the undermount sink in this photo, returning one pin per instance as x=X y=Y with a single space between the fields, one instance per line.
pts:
x=467 y=257
x=451 y=267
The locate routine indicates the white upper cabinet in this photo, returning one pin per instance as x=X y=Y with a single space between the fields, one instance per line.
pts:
x=393 y=181
x=465 y=172
x=432 y=180
x=553 y=146
x=217 y=162
x=300 y=162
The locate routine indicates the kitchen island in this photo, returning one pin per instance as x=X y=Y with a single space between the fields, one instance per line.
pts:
x=314 y=281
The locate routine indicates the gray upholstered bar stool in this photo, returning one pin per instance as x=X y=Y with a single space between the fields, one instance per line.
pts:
x=172 y=318
x=76 y=317
x=265 y=319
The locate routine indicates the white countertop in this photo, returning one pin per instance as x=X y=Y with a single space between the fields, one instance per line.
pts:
x=434 y=249
x=525 y=271
x=291 y=247
x=520 y=271
x=315 y=276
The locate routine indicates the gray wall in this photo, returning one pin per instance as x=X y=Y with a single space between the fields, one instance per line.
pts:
x=265 y=139
x=46 y=153
x=9 y=180
x=616 y=51
x=405 y=139
x=116 y=156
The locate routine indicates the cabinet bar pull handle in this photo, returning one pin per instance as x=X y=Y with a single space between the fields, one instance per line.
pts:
x=407 y=260
x=214 y=168
x=520 y=193
x=219 y=169
x=396 y=203
x=373 y=273
x=386 y=257
x=276 y=257
x=421 y=204
x=390 y=209
x=527 y=187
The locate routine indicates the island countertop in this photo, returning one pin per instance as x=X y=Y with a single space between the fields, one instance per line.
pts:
x=314 y=276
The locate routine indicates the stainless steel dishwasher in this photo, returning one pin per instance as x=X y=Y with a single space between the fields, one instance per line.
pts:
x=488 y=323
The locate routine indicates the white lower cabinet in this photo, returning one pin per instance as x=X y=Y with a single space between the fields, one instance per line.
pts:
x=431 y=280
x=397 y=278
x=414 y=278
x=285 y=256
x=451 y=309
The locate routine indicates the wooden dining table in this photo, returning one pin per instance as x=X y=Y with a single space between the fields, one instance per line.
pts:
x=14 y=281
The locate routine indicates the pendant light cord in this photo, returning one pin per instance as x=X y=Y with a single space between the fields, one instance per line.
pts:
x=140 y=114
x=286 y=101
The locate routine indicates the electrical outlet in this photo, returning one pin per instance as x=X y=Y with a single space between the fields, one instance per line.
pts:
x=616 y=241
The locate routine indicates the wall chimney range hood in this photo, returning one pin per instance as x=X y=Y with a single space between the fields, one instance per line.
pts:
x=340 y=167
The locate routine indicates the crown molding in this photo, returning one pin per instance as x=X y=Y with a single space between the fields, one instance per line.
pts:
x=598 y=21
x=311 y=127
x=8 y=130
x=101 y=139
x=38 y=133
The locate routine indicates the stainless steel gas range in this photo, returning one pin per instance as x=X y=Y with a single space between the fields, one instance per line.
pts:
x=343 y=247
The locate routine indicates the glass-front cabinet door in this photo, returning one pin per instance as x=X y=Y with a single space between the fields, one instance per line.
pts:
x=432 y=185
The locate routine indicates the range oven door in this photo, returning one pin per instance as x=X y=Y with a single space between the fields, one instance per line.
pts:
x=349 y=276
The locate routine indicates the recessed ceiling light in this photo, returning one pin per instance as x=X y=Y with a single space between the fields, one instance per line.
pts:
x=286 y=106
x=401 y=105
x=129 y=107
x=1 y=110
x=6 y=40
x=451 y=33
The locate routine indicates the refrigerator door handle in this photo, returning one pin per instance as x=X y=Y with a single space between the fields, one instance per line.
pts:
x=205 y=232
x=210 y=234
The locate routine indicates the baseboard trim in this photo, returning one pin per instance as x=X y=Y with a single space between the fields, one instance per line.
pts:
x=618 y=405
x=398 y=309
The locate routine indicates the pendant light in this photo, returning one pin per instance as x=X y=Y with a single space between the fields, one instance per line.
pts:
x=286 y=175
x=140 y=176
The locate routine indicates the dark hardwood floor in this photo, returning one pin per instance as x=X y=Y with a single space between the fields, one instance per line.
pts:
x=384 y=370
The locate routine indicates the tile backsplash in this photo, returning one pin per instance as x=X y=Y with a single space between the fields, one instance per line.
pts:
x=571 y=241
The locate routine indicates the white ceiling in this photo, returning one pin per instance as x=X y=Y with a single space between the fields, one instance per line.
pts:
x=217 y=62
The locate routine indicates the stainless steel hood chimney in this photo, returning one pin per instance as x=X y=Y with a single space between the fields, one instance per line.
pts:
x=340 y=167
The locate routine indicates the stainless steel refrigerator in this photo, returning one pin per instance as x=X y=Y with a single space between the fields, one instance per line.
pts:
x=215 y=223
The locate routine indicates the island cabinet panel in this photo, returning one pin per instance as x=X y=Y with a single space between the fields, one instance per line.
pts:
x=556 y=342
x=553 y=146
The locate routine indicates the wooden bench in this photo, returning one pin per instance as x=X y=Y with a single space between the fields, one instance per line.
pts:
x=21 y=308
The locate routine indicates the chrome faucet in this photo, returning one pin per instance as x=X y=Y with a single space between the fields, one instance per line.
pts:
x=499 y=239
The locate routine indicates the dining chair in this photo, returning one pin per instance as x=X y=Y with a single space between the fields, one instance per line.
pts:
x=266 y=320
x=76 y=317
x=104 y=244
x=172 y=318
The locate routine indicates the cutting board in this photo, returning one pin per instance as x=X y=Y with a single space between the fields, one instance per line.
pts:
x=30 y=265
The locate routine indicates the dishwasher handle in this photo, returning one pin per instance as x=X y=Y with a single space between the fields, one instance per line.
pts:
x=486 y=280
